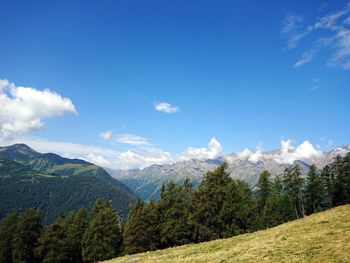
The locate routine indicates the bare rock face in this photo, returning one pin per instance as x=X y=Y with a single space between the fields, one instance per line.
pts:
x=246 y=166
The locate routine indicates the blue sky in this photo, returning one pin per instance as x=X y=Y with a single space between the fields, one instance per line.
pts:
x=247 y=73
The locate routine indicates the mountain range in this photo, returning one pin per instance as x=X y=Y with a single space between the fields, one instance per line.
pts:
x=55 y=184
x=58 y=185
x=246 y=165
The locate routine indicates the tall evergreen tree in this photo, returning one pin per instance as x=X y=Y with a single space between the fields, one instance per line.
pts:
x=53 y=246
x=279 y=207
x=207 y=203
x=237 y=212
x=293 y=183
x=141 y=231
x=151 y=218
x=341 y=169
x=314 y=192
x=7 y=231
x=264 y=189
x=263 y=193
x=175 y=227
x=76 y=228
x=134 y=238
x=327 y=177
x=102 y=238
x=27 y=233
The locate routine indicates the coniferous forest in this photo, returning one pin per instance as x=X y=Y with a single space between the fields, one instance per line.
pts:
x=219 y=207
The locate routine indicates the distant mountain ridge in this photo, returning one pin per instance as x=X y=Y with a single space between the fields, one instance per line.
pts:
x=55 y=184
x=244 y=166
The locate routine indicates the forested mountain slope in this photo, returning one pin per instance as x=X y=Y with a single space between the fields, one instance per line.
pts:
x=55 y=184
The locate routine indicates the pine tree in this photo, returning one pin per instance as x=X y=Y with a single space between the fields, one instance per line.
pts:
x=327 y=177
x=7 y=230
x=264 y=189
x=151 y=218
x=77 y=224
x=293 y=184
x=175 y=228
x=341 y=168
x=207 y=203
x=237 y=212
x=134 y=238
x=315 y=193
x=26 y=235
x=141 y=231
x=53 y=246
x=272 y=213
x=102 y=238
x=279 y=207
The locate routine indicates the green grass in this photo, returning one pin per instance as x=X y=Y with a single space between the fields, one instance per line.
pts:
x=72 y=169
x=321 y=237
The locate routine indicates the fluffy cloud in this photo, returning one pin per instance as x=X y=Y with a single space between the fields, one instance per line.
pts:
x=247 y=154
x=213 y=151
x=23 y=109
x=256 y=156
x=288 y=154
x=130 y=159
x=106 y=135
x=165 y=107
x=96 y=159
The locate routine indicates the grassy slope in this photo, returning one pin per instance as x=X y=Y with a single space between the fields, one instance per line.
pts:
x=322 y=237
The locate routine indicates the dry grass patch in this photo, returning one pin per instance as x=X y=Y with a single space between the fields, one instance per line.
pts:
x=322 y=237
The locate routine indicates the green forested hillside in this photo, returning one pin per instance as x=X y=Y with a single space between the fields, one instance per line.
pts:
x=55 y=184
x=220 y=207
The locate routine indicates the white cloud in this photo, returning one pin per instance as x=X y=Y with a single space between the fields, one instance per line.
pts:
x=106 y=135
x=291 y=30
x=138 y=158
x=341 y=57
x=213 y=151
x=330 y=21
x=312 y=88
x=333 y=33
x=23 y=109
x=132 y=139
x=96 y=159
x=246 y=153
x=305 y=58
x=130 y=159
x=256 y=156
x=347 y=20
x=165 y=107
x=253 y=157
x=288 y=154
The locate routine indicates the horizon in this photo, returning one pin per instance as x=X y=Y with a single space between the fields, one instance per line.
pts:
x=282 y=157
x=126 y=85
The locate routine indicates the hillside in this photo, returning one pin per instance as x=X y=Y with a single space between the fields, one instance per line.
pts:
x=321 y=237
x=246 y=166
x=55 y=184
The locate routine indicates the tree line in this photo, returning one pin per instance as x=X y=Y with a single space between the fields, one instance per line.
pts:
x=219 y=207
